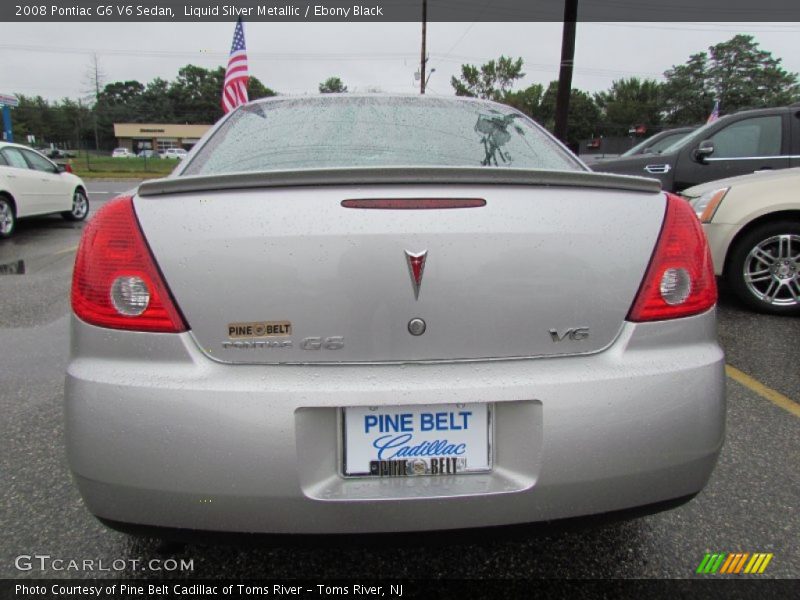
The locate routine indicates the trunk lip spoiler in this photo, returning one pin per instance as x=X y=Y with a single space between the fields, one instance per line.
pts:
x=396 y=175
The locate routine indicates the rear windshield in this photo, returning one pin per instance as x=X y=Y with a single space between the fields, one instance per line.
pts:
x=340 y=131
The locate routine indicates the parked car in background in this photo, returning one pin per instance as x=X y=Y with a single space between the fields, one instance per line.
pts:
x=148 y=153
x=736 y=144
x=122 y=153
x=753 y=227
x=174 y=153
x=387 y=314
x=31 y=185
x=54 y=153
x=653 y=145
x=658 y=142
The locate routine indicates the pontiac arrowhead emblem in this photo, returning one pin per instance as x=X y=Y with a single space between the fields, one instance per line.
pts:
x=416 y=266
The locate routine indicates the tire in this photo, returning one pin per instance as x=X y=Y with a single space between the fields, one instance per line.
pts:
x=80 y=207
x=8 y=218
x=764 y=268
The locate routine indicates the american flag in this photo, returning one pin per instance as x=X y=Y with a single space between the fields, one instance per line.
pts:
x=234 y=90
x=714 y=113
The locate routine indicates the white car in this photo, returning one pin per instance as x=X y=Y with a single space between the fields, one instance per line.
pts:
x=122 y=153
x=32 y=185
x=175 y=153
x=753 y=227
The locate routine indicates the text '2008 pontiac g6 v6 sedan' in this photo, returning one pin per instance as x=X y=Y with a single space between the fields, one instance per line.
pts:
x=372 y=314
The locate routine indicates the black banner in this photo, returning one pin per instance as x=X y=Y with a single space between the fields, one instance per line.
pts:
x=128 y=589
x=397 y=10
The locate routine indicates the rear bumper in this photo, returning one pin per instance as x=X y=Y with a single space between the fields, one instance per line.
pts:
x=394 y=538
x=159 y=435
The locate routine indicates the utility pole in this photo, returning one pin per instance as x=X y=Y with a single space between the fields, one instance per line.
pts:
x=565 y=73
x=422 y=59
x=96 y=79
x=80 y=137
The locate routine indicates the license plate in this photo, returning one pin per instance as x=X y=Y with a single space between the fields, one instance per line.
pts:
x=408 y=441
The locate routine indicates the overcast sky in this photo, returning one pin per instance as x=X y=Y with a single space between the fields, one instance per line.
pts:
x=52 y=60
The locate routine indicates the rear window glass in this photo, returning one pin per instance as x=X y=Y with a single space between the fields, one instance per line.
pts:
x=340 y=132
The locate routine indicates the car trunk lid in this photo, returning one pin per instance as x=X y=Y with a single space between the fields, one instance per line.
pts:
x=291 y=275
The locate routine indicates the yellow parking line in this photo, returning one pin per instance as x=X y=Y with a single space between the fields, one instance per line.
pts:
x=66 y=250
x=759 y=388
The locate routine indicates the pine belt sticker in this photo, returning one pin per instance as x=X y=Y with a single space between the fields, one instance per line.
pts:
x=260 y=329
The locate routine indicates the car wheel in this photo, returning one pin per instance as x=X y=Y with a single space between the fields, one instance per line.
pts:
x=80 y=207
x=764 y=268
x=8 y=219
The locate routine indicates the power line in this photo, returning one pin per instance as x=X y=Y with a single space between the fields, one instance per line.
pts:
x=689 y=27
x=531 y=66
x=468 y=29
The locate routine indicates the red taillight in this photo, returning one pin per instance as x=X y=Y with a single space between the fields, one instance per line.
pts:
x=116 y=282
x=680 y=278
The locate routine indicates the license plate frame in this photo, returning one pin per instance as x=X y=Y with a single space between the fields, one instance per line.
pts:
x=475 y=461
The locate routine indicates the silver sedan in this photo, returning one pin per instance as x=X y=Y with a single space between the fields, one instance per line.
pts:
x=374 y=314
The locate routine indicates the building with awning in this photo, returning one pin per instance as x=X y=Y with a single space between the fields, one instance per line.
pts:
x=157 y=136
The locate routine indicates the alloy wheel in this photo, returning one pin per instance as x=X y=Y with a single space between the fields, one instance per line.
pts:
x=772 y=270
x=6 y=218
x=80 y=206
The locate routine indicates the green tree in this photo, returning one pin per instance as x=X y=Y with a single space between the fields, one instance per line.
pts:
x=584 y=118
x=332 y=85
x=33 y=116
x=193 y=97
x=491 y=81
x=73 y=124
x=66 y=123
x=156 y=104
x=528 y=100
x=121 y=93
x=685 y=95
x=196 y=94
x=539 y=103
x=737 y=73
x=630 y=102
x=118 y=102
x=742 y=75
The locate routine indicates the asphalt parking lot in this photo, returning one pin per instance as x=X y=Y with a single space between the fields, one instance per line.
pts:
x=750 y=505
